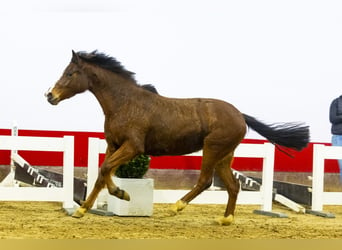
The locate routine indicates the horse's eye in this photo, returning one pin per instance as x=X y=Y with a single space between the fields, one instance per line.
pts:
x=69 y=74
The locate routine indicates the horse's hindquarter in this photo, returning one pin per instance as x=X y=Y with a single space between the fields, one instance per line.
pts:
x=227 y=126
x=179 y=126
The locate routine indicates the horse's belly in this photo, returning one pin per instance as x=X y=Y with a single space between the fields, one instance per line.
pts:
x=174 y=145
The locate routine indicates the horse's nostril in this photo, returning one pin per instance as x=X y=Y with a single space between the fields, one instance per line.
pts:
x=48 y=93
x=50 y=98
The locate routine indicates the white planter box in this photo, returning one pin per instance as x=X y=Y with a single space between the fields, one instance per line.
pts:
x=141 y=194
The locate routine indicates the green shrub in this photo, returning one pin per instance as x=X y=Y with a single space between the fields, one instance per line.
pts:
x=136 y=168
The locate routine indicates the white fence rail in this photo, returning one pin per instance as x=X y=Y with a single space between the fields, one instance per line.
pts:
x=263 y=197
x=61 y=194
x=98 y=146
x=319 y=197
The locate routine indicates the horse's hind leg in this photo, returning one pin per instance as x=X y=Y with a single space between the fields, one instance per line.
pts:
x=223 y=169
x=204 y=182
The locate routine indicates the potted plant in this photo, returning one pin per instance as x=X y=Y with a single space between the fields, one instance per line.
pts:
x=136 y=168
x=129 y=177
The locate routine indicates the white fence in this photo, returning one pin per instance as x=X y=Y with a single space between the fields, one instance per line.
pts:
x=319 y=197
x=262 y=197
x=61 y=194
x=98 y=146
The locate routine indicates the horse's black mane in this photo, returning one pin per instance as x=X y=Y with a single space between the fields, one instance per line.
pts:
x=150 y=88
x=110 y=63
x=106 y=62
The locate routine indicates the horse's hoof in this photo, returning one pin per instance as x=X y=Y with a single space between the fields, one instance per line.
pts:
x=119 y=193
x=225 y=221
x=173 y=211
x=126 y=196
x=79 y=213
x=179 y=206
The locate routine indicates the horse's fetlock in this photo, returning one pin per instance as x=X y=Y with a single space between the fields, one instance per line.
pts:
x=119 y=193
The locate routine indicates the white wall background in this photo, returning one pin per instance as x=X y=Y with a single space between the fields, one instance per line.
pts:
x=276 y=60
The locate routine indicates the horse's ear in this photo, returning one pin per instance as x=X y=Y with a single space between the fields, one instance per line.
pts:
x=75 y=58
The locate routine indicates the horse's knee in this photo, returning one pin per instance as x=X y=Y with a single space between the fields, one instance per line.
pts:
x=105 y=170
x=100 y=182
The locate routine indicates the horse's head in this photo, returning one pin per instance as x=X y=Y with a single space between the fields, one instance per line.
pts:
x=72 y=82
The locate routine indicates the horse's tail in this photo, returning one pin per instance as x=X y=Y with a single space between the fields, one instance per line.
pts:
x=290 y=135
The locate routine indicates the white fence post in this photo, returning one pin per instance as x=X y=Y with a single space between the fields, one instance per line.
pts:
x=267 y=177
x=93 y=163
x=14 y=132
x=96 y=147
x=317 y=177
x=68 y=172
x=9 y=181
x=319 y=197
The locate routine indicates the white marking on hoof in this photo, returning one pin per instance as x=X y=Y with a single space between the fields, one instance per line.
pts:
x=79 y=213
x=225 y=221
x=178 y=206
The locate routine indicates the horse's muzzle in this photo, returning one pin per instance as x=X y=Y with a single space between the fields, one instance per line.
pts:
x=51 y=99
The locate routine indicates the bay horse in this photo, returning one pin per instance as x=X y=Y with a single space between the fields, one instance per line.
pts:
x=140 y=121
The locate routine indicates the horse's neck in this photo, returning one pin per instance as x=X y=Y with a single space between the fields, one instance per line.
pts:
x=112 y=93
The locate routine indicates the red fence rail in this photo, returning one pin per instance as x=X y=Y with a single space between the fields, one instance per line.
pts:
x=301 y=161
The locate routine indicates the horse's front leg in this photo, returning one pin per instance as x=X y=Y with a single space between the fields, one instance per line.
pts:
x=112 y=161
x=99 y=185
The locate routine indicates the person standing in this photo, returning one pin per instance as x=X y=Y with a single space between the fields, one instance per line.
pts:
x=335 y=117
